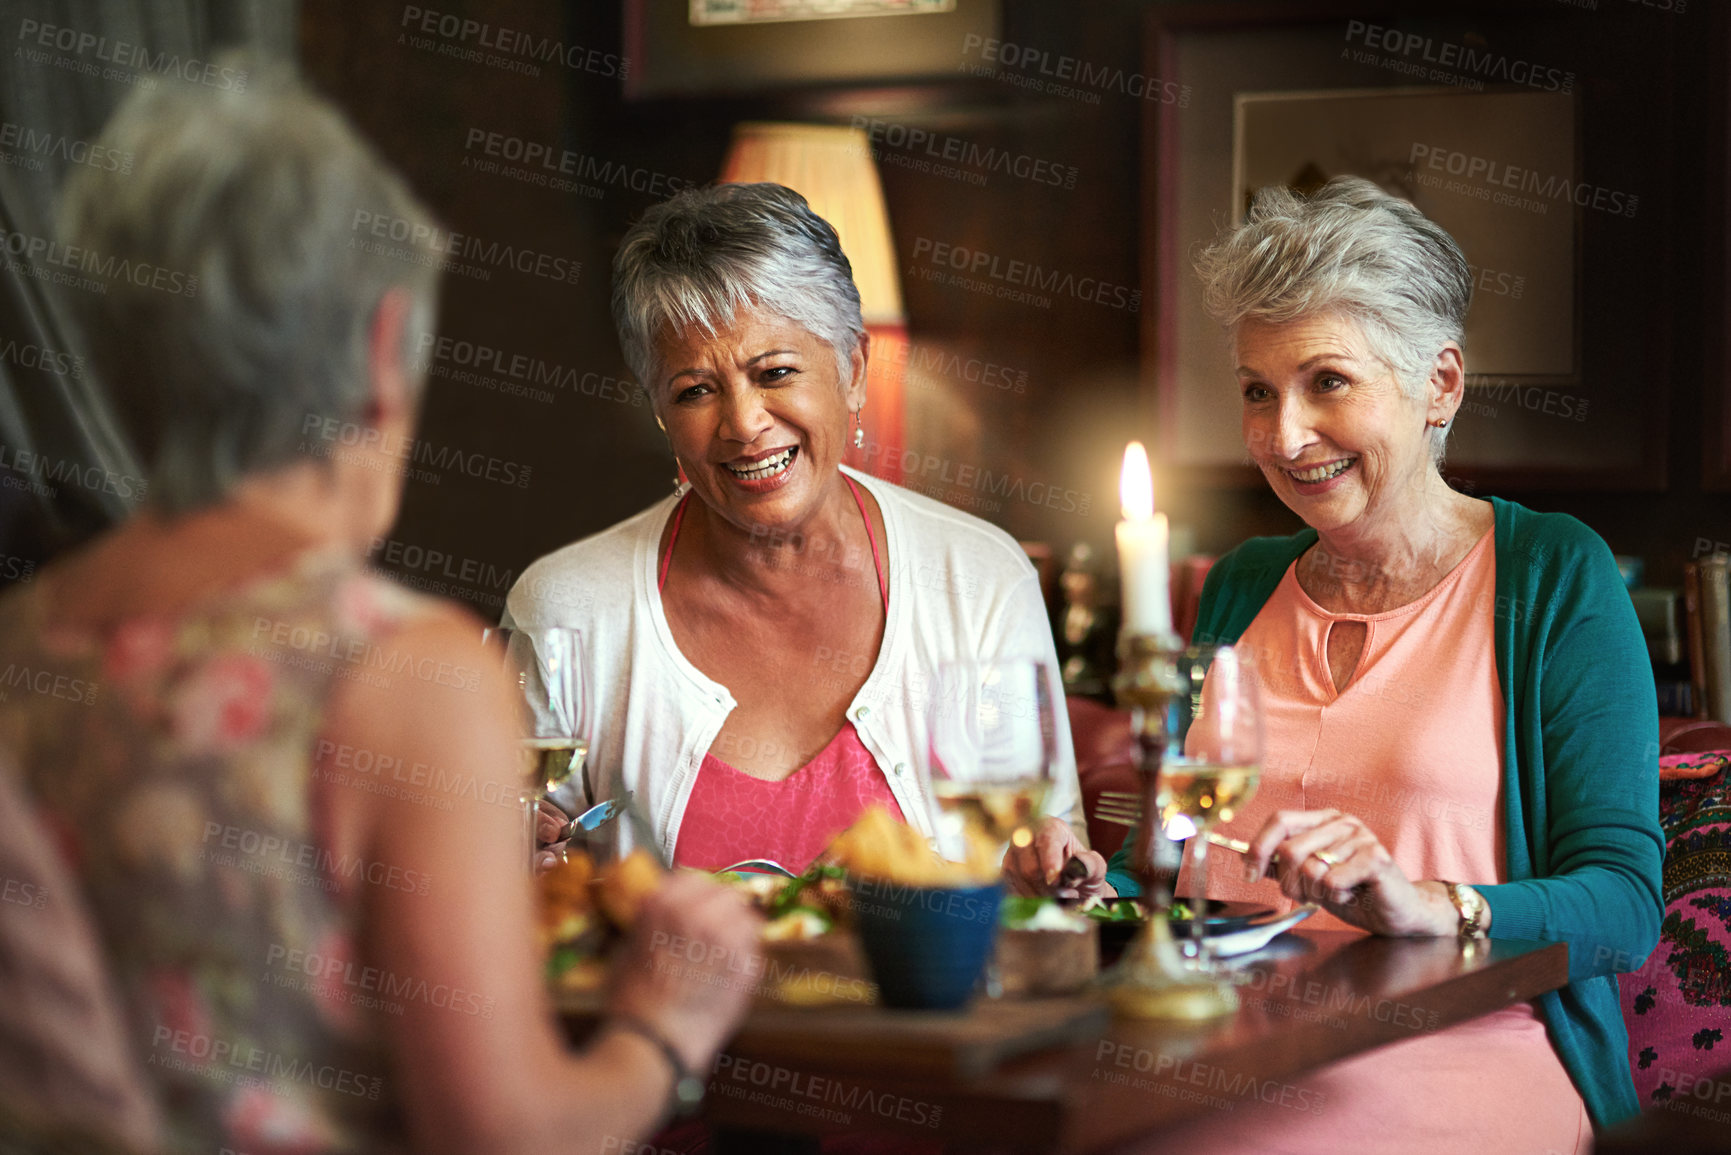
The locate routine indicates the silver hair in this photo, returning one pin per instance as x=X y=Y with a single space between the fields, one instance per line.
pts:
x=248 y=274
x=695 y=259
x=1350 y=249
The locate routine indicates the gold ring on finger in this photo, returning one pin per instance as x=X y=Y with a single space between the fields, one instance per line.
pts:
x=1326 y=857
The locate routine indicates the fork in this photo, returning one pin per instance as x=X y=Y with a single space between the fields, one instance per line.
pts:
x=594 y=818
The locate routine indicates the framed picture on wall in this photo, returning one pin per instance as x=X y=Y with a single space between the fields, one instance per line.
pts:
x=683 y=48
x=1555 y=190
x=1716 y=399
x=1436 y=148
x=705 y=13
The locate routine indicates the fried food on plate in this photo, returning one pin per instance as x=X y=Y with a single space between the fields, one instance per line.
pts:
x=566 y=911
x=623 y=888
x=879 y=845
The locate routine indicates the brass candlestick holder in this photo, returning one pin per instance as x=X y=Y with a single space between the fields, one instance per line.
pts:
x=1151 y=981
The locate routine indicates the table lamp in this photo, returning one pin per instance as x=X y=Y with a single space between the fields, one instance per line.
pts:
x=832 y=167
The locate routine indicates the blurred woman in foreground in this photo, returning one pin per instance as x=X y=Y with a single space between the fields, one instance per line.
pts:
x=1462 y=732
x=766 y=640
x=309 y=960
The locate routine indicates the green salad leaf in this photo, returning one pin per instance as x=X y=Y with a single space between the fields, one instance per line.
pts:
x=1019 y=908
x=1120 y=910
x=562 y=959
x=790 y=895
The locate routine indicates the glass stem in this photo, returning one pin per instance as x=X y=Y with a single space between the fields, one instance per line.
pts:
x=531 y=815
x=1199 y=895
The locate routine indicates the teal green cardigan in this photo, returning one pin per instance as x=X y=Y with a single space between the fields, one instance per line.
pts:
x=1580 y=802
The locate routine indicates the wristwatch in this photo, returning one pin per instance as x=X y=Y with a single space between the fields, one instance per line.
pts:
x=688 y=1086
x=1472 y=908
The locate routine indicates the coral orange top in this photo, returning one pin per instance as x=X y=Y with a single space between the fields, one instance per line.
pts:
x=1413 y=746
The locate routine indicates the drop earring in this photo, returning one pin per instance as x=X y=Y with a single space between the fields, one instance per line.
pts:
x=662 y=425
x=858 y=432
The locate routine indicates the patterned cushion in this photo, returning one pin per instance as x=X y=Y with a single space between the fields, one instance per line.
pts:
x=1678 y=1005
x=1702 y=765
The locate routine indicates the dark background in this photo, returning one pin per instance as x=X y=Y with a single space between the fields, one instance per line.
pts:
x=596 y=459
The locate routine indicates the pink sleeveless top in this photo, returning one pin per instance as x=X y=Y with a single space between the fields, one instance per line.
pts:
x=1413 y=746
x=732 y=816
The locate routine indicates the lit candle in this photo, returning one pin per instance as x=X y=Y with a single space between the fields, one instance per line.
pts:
x=1142 y=559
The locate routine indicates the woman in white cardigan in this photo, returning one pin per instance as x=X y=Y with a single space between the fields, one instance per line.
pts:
x=763 y=643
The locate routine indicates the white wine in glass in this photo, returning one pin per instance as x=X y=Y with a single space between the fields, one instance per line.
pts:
x=993 y=734
x=552 y=762
x=1214 y=765
x=1203 y=793
x=1006 y=811
x=546 y=665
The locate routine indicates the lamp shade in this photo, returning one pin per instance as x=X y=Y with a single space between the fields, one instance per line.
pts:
x=832 y=168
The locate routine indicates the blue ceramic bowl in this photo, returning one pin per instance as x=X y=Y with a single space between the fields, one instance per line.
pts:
x=927 y=946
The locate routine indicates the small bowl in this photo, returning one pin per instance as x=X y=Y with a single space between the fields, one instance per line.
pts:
x=927 y=946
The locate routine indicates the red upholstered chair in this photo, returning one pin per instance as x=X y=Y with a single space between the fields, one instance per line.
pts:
x=1105 y=760
x=1692 y=735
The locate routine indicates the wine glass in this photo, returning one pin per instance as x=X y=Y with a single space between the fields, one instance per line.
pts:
x=546 y=665
x=1213 y=764
x=993 y=745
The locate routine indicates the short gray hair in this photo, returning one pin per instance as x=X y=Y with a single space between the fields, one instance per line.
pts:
x=245 y=204
x=696 y=258
x=1349 y=248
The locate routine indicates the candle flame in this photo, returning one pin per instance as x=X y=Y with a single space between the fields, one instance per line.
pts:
x=1136 y=484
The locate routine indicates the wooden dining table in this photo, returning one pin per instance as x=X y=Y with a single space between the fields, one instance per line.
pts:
x=1084 y=1081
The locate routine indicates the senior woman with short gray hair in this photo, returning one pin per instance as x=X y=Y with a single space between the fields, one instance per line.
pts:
x=1461 y=726
x=308 y=958
x=764 y=640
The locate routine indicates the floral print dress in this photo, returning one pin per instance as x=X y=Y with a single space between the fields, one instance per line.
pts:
x=174 y=762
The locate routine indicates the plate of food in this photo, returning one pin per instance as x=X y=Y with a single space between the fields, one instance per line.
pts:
x=796 y=909
x=1120 y=918
x=587 y=908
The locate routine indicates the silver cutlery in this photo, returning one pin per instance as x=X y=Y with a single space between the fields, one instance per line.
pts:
x=1124 y=809
x=594 y=818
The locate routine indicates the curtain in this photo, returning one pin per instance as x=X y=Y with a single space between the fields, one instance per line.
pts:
x=65 y=465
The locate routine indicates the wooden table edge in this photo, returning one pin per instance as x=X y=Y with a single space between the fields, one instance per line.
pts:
x=1050 y=1120
x=1535 y=968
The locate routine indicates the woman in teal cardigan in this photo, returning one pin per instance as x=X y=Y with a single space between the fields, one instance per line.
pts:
x=1346 y=310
